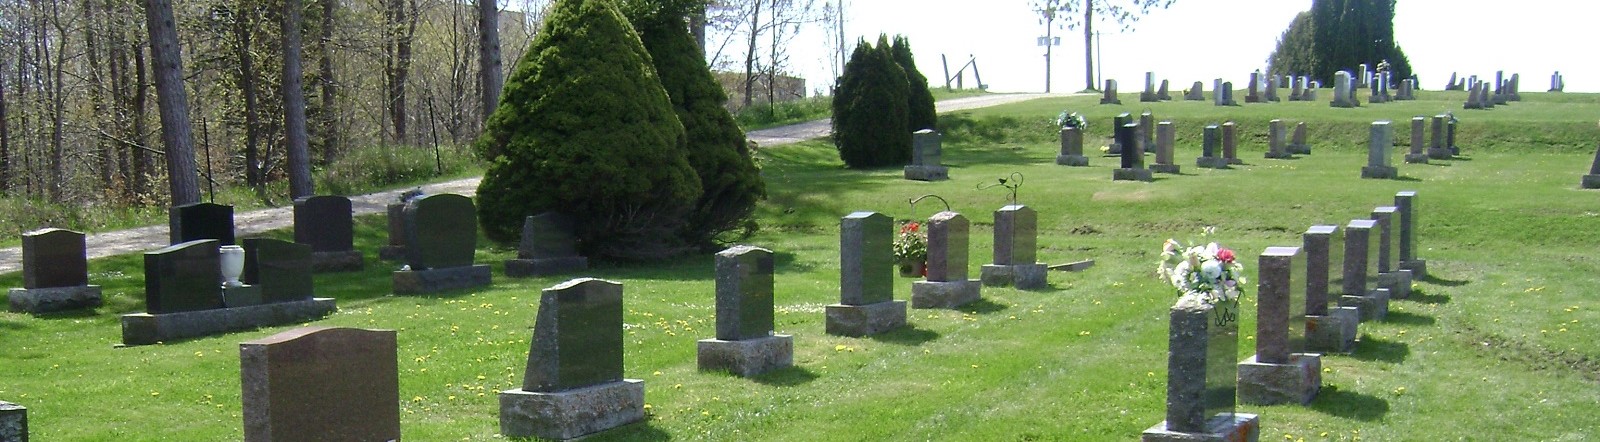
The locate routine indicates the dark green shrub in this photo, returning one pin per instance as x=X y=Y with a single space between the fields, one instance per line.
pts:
x=920 y=110
x=716 y=145
x=870 y=125
x=585 y=128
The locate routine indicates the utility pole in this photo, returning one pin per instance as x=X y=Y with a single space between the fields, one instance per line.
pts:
x=1047 y=16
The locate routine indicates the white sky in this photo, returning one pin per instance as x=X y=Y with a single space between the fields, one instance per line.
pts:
x=1205 y=39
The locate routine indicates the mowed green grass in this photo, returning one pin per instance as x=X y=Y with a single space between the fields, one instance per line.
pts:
x=1497 y=345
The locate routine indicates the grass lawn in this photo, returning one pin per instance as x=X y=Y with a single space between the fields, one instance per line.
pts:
x=1497 y=345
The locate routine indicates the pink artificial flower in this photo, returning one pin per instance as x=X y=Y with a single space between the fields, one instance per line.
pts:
x=1225 y=255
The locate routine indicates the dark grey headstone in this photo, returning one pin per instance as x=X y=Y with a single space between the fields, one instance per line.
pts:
x=1360 y=257
x=948 y=234
x=1594 y=169
x=1386 y=240
x=190 y=222
x=1405 y=203
x=1222 y=359
x=1071 y=141
x=13 y=422
x=1324 y=250
x=322 y=384
x=54 y=258
x=577 y=338
x=1117 y=122
x=866 y=255
x=324 y=222
x=1187 y=361
x=1016 y=230
x=744 y=293
x=281 y=269
x=183 y=277
x=441 y=231
x=1212 y=141
x=925 y=148
x=1280 y=308
x=397 y=223
x=1128 y=138
x=548 y=235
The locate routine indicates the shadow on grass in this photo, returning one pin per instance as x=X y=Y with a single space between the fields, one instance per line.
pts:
x=1406 y=318
x=1406 y=178
x=1333 y=401
x=1374 y=349
x=982 y=306
x=1429 y=298
x=638 y=431
x=786 y=377
x=907 y=336
x=1435 y=280
x=68 y=314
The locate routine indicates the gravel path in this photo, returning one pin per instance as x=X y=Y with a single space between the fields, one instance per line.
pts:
x=152 y=237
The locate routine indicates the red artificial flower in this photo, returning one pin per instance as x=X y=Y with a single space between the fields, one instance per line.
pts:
x=1224 y=255
x=910 y=227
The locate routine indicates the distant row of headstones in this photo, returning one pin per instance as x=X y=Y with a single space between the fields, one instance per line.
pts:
x=1351 y=274
x=1264 y=89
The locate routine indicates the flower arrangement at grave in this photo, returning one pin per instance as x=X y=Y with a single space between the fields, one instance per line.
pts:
x=911 y=248
x=1068 y=119
x=1208 y=272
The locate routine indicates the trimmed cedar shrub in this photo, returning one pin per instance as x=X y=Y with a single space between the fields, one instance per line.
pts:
x=869 y=109
x=921 y=112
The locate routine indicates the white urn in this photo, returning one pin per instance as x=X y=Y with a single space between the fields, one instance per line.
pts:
x=232 y=265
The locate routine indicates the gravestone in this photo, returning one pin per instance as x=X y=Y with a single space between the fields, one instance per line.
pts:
x=1437 y=149
x=1417 y=154
x=1196 y=92
x=1280 y=372
x=1227 y=94
x=1216 y=92
x=1132 y=155
x=866 y=285
x=1405 y=202
x=281 y=269
x=13 y=422
x=1474 y=98
x=184 y=299
x=1110 y=93
x=55 y=274
x=1515 y=94
x=1380 y=89
x=1390 y=275
x=1254 y=91
x=745 y=344
x=1311 y=88
x=1149 y=94
x=1362 y=75
x=1343 y=90
x=395 y=250
x=1202 y=342
x=1230 y=143
x=1327 y=329
x=1164 y=93
x=1379 y=165
x=1407 y=91
x=1165 y=136
x=549 y=246
x=1361 y=271
x=1072 y=148
x=925 y=154
x=1450 y=138
x=1271 y=95
x=1296 y=89
x=947 y=285
x=191 y=222
x=321 y=383
x=1147 y=132
x=1592 y=180
x=1277 y=140
x=1016 y=236
x=1298 y=145
x=441 y=238
x=573 y=384
x=1211 y=149
x=325 y=223
x=1557 y=84
x=1117 y=122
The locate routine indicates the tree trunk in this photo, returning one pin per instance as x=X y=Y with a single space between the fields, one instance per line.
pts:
x=402 y=26
x=249 y=90
x=107 y=149
x=56 y=72
x=295 y=138
x=697 y=27
x=5 y=137
x=750 y=55
x=490 y=77
x=143 y=170
x=1088 y=45
x=330 y=112
x=176 y=134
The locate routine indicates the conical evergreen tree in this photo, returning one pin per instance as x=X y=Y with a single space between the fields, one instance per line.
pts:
x=920 y=110
x=585 y=128
x=870 y=126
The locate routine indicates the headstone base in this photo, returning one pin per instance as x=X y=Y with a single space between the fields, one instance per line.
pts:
x=346 y=261
x=1022 y=276
x=747 y=357
x=1417 y=158
x=147 y=328
x=1165 y=168
x=1418 y=268
x=865 y=319
x=54 y=299
x=1299 y=149
x=1296 y=382
x=1379 y=172
x=1279 y=156
x=1335 y=332
x=570 y=414
x=1373 y=307
x=1398 y=282
x=523 y=268
x=1236 y=427
x=392 y=253
x=1344 y=104
x=1591 y=181
x=1212 y=163
x=1072 y=160
x=13 y=422
x=1149 y=97
x=952 y=294
x=1110 y=101
x=1235 y=161
x=241 y=296
x=1076 y=266
x=1132 y=175
x=1440 y=153
x=927 y=173
x=411 y=282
